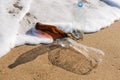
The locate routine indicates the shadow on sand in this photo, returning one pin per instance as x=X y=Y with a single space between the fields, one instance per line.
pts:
x=65 y=58
x=32 y=54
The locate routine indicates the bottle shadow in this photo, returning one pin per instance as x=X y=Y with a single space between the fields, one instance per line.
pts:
x=32 y=54
x=64 y=58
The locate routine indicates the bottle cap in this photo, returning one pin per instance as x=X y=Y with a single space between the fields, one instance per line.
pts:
x=80 y=4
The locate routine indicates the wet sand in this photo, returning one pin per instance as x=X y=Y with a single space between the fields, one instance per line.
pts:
x=34 y=66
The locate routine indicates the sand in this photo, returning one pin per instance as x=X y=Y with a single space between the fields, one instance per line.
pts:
x=40 y=67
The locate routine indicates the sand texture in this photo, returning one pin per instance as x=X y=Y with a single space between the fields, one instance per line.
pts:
x=28 y=63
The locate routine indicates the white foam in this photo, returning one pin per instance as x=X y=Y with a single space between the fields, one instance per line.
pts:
x=97 y=15
x=9 y=24
x=93 y=16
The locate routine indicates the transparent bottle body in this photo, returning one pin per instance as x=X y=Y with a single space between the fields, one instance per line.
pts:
x=75 y=57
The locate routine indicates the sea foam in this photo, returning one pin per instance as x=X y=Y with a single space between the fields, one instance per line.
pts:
x=18 y=16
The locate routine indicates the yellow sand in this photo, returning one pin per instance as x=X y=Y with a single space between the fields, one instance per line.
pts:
x=40 y=68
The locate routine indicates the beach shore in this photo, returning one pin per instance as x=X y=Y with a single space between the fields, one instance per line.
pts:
x=40 y=68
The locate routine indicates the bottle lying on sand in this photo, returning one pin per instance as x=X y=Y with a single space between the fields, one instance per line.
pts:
x=75 y=57
x=71 y=55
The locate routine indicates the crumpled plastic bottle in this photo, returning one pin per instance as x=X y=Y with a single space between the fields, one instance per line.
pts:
x=75 y=57
x=88 y=52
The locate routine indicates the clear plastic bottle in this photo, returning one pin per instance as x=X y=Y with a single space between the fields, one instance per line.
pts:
x=88 y=52
x=75 y=57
